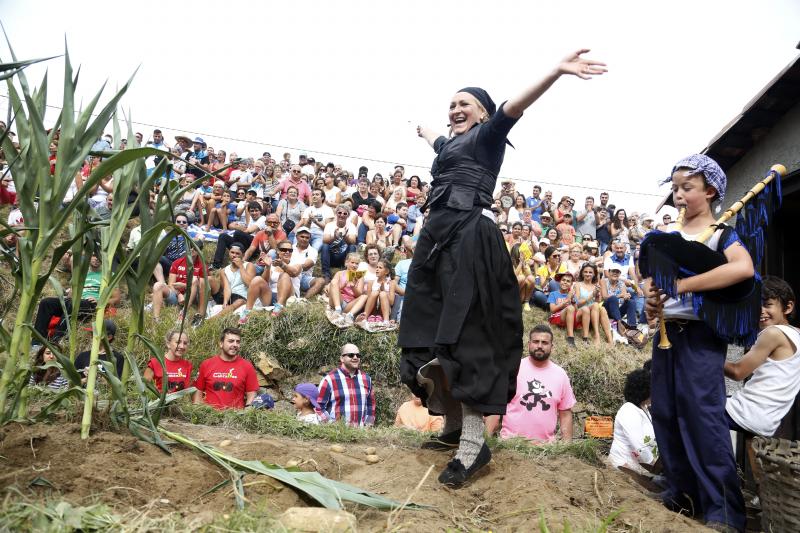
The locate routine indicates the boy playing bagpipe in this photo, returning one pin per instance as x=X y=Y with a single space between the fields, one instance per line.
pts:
x=688 y=389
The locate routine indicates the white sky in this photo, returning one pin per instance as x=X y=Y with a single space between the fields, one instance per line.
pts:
x=355 y=78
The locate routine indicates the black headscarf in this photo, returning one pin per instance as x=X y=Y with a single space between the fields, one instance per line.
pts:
x=485 y=100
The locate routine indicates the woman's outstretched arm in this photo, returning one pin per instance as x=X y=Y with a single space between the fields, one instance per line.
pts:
x=573 y=64
x=427 y=134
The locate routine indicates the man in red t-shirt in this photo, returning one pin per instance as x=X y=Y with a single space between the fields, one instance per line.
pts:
x=173 y=291
x=227 y=380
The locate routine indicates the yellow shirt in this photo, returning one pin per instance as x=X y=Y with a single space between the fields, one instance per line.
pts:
x=544 y=274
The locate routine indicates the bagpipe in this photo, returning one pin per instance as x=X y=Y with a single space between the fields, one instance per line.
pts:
x=732 y=312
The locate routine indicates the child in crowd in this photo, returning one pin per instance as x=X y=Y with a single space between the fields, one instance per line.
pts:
x=380 y=293
x=688 y=386
x=346 y=291
x=585 y=295
x=413 y=415
x=223 y=213
x=567 y=230
x=49 y=377
x=304 y=400
x=562 y=312
x=773 y=362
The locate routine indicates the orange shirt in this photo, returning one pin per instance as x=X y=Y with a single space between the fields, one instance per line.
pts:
x=417 y=417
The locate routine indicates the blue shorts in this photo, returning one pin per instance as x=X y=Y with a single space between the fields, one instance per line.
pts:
x=172 y=299
x=305 y=281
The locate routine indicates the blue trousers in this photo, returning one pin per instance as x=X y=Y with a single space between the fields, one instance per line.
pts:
x=617 y=308
x=333 y=257
x=688 y=394
x=539 y=298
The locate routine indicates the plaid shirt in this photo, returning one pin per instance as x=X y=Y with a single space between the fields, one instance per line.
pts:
x=348 y=398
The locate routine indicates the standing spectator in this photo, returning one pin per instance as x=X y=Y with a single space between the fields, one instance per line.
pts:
x=338 y=239
x=316 y=217
x=226 y=380
x=619 y=226
x=603 y=232
x=587 y=219
x=345 y=393
x=179 y=370
x=604 y=205
x=198 y=157
x=567 y=230
x=534 y=203
x=546 y=222
x=544 y=395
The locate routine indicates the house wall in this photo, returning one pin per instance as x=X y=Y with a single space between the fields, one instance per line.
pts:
x=781 y=145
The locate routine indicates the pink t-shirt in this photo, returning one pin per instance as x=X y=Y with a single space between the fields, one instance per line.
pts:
x=541 y=394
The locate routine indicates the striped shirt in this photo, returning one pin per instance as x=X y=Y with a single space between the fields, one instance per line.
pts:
x=348 y=397
x=60 y=382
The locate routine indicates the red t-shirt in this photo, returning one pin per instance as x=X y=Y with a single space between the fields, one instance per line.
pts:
x=179 y=373
x=179 y=269
x=261 y=240
x=225 y=382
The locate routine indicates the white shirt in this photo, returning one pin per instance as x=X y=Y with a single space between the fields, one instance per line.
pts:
x=299 y=257
x=320 y=214
x=331 y=227
x=764 y=400
x=632 y=426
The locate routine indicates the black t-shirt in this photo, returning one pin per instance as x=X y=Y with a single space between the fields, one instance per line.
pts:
x=82 y=362
x=358 y=200
x=202 y=161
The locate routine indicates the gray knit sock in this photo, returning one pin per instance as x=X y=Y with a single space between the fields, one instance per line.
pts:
x=471 y=436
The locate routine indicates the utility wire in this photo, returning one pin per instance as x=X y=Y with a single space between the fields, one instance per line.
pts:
x=361 y=158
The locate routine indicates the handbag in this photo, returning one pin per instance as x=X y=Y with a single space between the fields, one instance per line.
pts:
x=288 y=226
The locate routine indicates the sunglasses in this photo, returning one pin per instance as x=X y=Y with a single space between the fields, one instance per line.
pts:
x=351 y=355
x=285 y=249
x=226 y=386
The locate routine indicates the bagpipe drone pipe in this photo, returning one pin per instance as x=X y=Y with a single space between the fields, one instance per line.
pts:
x=732 y=312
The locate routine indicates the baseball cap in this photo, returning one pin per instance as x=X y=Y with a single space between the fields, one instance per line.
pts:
x=302 y=229
x=310 y=391
x=544 y=240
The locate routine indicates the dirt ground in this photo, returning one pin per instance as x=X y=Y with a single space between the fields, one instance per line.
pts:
x=124 y=472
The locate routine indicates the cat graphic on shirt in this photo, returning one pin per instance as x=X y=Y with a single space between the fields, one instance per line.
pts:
x=537 y=393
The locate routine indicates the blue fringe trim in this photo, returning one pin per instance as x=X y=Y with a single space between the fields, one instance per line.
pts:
x=735 y=324
x=755 y=217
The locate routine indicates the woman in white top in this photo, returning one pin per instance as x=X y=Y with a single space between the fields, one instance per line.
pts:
x=235 y=280
x=774 y=363
x=333 y=194
x=634 y=438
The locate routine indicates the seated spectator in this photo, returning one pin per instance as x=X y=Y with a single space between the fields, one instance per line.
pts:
x=214 y=201
x=413 y=415
x=367 y=220
x=51 y=307
x=346 y=290
x=634 y=438
x=562 y=311
x=525 y=278
x=304 y=257
x=173 y=292
x=618 y=301
x=223 y=213
x=83 y=359
x=544 y=395
x=104 y=210
x=413 y=191
x=179 y=370
x=626 y=265
x=372 y=254
x=378 y=235
x=272 y=284
x=259 y=241
x=304 y=399
x=316 y=217
x=7 y=195
x=338 y=239
x=566 y=230
x=380 y=293
x=773 y=362
x=400 y=281
x=236 y=278
x=290 y=211
x=226 y=380
x=574 y=261
x=587 y=301
x=345 y=393
x=47 y=377
x=250 y=215
x=546 y=276
x=554 y=236
x=546 y=221
x=362 y=196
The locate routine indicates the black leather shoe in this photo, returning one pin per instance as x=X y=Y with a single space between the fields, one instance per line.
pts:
x=455 y=475
x=445 y=442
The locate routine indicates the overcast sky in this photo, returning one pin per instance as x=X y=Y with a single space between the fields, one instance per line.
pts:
x=355 y=78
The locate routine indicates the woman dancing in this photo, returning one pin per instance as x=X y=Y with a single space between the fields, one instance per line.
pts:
x=461 y=331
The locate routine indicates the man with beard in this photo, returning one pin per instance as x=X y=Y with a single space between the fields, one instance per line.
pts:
x=544 y=395
x=346 y=393
x=226 y=380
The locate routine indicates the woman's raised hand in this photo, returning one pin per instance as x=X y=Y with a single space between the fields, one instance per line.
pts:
x=583 y=68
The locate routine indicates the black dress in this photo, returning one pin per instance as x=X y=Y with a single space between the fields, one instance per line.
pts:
x=462 y=299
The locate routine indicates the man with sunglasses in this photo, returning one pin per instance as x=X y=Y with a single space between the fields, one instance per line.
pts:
x=294 y=180
x=346 y=393
x=226 y=380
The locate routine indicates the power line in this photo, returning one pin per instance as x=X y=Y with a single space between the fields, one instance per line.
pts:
x=362 y=158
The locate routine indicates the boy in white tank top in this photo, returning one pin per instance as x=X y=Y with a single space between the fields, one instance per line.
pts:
x=773 y=362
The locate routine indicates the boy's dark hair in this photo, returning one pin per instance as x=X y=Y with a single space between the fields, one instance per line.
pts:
x=637 y=386
x=230 y=331
x=541 y=328
x=775 y=288
x=255 y=205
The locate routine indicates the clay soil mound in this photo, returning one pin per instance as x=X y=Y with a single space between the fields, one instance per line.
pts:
x=125 y=473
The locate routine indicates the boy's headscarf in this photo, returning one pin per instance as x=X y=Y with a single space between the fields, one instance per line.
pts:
x=702 y=164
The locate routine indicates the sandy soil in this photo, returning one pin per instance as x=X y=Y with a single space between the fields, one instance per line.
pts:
x=124 y=472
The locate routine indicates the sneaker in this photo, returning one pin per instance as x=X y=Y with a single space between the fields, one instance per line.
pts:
x=244 y=317
x=444 y=442
x=571 y=341
x=618 y=338
x=276 y=309
x=455 y=475
x=526 y=307
x=148 y=308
